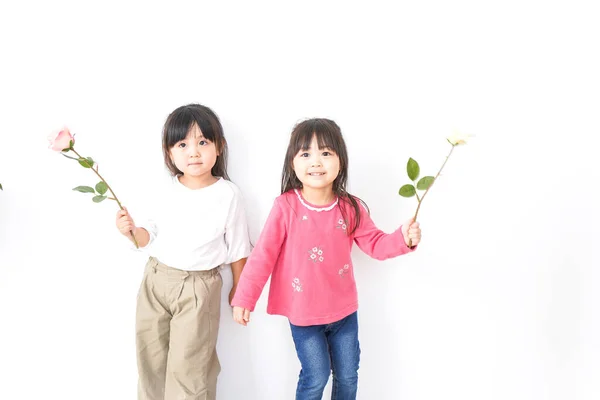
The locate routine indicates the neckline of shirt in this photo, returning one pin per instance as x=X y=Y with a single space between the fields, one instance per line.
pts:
x=313 y=207
x=183 y=187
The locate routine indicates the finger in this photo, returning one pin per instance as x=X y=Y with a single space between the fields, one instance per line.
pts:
x=415 y=225
x=125 y=220
x=127 y=228
x=246 y=315
x=236 y=316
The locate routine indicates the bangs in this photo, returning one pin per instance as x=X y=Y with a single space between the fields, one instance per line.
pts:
x=327 y=135
x=180 y=125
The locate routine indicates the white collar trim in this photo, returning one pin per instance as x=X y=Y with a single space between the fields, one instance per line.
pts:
x=317 y=209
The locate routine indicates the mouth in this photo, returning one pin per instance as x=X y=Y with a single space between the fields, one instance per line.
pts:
x=316 y=173
x=196 y=163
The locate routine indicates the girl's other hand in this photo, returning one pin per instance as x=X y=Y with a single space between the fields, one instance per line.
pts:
x=125 y=223
x=241 y=315
x=411 y=232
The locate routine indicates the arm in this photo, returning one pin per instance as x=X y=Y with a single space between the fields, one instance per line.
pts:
x=378 y=244
x=236 y=271
x=125 y=224
x=236 y=235
x=261 y=262
x=236 y=238
x=141 y=236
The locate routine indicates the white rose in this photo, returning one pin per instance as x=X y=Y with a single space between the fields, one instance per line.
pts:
x=458 y=138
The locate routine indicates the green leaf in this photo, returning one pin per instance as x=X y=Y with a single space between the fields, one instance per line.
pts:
x=1 y=187
x=407 y=191
x=86 y=162
x=425 y=182
x=84 y=189
x=68 y=148
x=413 y=170
x=101 y=187
x=98 y=199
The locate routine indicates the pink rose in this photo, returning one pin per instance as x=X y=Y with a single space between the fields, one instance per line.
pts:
x=61 y=140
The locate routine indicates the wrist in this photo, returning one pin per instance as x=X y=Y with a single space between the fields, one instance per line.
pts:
x=141 y=236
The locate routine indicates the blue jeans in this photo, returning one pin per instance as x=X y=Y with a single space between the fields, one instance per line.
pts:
x=323 y=349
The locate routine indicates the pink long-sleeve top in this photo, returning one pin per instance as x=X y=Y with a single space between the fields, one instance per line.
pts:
x=306 y=251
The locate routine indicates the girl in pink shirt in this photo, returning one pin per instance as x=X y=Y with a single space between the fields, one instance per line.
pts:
x=305 y=247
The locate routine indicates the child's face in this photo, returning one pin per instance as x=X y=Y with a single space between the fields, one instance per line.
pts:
x=316 y=168
x=195 y=155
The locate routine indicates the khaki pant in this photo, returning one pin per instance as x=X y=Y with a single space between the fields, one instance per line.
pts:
x=177 y=322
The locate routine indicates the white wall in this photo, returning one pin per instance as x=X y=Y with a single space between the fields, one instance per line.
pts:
x=501 y=300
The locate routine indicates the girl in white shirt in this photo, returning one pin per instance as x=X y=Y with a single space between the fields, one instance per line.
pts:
x=198 y=224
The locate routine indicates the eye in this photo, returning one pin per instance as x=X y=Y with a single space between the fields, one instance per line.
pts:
x=304 y=154
x=181 y=145
x=203 y=143
x=327 y=153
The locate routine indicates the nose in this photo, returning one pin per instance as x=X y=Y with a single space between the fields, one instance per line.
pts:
x=316 y=161
x=193 y=151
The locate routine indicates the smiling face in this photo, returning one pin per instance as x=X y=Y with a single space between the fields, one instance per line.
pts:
x=195 y=155
x=316 y=168
x=316 y=141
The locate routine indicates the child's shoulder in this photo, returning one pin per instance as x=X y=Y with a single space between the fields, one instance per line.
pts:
x=288 y=198
x=285 y=201
x=229 y=186
x=349 y=203
x=228 y=191
x=287 y=195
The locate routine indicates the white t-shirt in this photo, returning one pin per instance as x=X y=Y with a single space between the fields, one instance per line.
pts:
x=198 y=229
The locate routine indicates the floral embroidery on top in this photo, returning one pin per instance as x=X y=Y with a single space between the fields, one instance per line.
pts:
x=316 y=254
x=304 y=218
x=341 y=224
x=296 y=285
x=344 y=270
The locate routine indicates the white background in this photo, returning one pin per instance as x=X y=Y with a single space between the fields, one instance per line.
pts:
x=501 y=301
